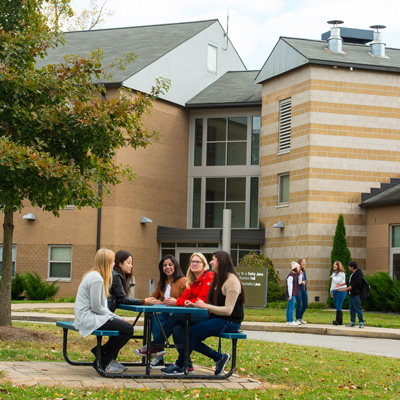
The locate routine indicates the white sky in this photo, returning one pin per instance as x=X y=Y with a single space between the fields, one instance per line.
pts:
x=256 y=25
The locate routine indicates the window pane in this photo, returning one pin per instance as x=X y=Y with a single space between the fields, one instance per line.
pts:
x=237 y=128
x=214 y=215
x=284 y=189
x=196 y=202
x=238 y=214
x=12 y=268
x=165 y=252
x=60 y=270
x=216 y=154
x=236 y=189
x=254 y=203
x=396 y=266
x=215 y=189
x=198 y=141
x=212 y=59
x=396 y=236
x=236 y=153
x=255 y=141
x=216 y=129
x=60 y=254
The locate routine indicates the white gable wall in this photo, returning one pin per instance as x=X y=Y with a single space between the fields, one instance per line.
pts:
x=186 y=66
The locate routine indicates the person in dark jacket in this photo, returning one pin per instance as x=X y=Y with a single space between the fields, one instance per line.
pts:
x=354 y=289
x=292 y=290
x=302 y=298
x=119 y=291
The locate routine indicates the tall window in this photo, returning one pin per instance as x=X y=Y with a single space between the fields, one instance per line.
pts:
x=255 y=140
x=285 y=125
x=198 y=141
x=226 y=141
x=395 y=251
x=13 y=258
x=60 y=262
x=212 y=59
x=283 y=189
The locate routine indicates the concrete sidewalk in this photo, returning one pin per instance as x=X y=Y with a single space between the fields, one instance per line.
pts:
x=18 y=314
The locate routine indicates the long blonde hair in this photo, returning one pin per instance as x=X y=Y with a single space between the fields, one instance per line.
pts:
x=340 y=269
x=191 y=277
x=103 y=260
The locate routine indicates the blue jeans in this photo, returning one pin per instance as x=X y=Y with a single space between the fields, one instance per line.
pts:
x=290 y=309
x=355 y=308
x=155 y=328
x=302 y=304
x=201 y=331
x=338 y=298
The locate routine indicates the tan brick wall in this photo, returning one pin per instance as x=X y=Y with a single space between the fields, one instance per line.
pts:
x=159 y=193
x=344 y=141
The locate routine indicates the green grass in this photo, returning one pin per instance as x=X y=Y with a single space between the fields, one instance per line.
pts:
x=291 y=372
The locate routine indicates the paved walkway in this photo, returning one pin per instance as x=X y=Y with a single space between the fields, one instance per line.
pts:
x=61 y=373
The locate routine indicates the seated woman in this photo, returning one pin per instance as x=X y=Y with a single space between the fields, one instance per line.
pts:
x=119 y=291
x=170 y=287
x=198 y=284
x=91 y=311
x=225 y=304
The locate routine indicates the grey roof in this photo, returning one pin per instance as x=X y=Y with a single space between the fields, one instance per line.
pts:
x=149 y=43
x=353 y=55
x=235 y=88
x=386 y=194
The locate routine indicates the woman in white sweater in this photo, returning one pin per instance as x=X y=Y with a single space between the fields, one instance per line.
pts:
x=91 y=311
x=338 y=282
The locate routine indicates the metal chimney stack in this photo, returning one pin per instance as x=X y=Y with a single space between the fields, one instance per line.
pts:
x=335 y=41
x=377 y=45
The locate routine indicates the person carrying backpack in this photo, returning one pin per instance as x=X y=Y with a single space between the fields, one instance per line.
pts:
x=354 y=287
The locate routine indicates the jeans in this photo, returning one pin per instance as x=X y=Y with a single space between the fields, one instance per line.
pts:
x=201 y=331
x=355 y=308
x=338 y=298
x=302 y=304
x=290 y=309
x=155 y=328
x=114 y=343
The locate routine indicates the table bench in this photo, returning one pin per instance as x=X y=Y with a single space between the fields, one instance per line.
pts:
x=68 y=325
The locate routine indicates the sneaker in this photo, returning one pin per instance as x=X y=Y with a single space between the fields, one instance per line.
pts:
x=298 y=321
x=154 y=352
x=351 y=324
x=303 y=322
x=118 y=365
x=172 y=369
x=221 y=364
x=293 y=323
x=362 y=325
x=157 y=363
x=113 y=368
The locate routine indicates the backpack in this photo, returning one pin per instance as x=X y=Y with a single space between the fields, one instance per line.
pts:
x=365 y=289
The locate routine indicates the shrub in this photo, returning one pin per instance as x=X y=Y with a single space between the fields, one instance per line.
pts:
x=274 y=291
x=36 y=289
x=17 y=287
x=382 y=294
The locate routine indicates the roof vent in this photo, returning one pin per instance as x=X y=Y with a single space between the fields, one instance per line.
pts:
x=335 y=41
x=377 y=45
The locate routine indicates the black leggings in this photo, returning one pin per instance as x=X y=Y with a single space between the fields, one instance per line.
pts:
x=115 y=343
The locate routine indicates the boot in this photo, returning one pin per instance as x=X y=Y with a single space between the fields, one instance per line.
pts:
x=336 y=322
x=339 y=317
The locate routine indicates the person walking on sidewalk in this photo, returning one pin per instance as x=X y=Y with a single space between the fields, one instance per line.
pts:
x=338 y=282
x=292 y=290
x=302 y=298
x=354 y=289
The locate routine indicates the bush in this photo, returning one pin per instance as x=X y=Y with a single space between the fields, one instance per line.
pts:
x=36 y=289
x=274 y=291
x=17 y=287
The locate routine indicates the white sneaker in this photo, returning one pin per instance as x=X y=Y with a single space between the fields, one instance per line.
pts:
x=293 y=323
x=303 y=322
x=298 y=321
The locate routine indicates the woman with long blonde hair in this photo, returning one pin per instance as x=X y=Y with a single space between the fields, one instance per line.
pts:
x=338 y=282
x=91 y=311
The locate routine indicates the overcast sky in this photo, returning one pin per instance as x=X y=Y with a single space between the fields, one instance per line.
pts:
x=256 y=25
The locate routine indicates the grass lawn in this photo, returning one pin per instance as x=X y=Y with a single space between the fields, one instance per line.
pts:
x=291 y=372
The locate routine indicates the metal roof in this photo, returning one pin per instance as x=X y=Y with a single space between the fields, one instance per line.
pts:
x=235 y=88
x=149 y=43
x=386 y=194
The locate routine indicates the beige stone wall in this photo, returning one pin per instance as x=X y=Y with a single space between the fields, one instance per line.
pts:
x=159 y=192
x=344 y=141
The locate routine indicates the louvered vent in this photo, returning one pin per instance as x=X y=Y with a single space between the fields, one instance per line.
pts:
x=285 y=125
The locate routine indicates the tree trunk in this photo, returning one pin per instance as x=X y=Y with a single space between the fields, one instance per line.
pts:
x=5 y=290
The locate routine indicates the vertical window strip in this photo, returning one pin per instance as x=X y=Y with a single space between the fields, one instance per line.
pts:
x=285 y=124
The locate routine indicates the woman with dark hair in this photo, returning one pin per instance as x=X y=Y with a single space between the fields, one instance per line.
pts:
x=171 y=285
x=119 y=291
x=302 y=298
x=225 y=304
